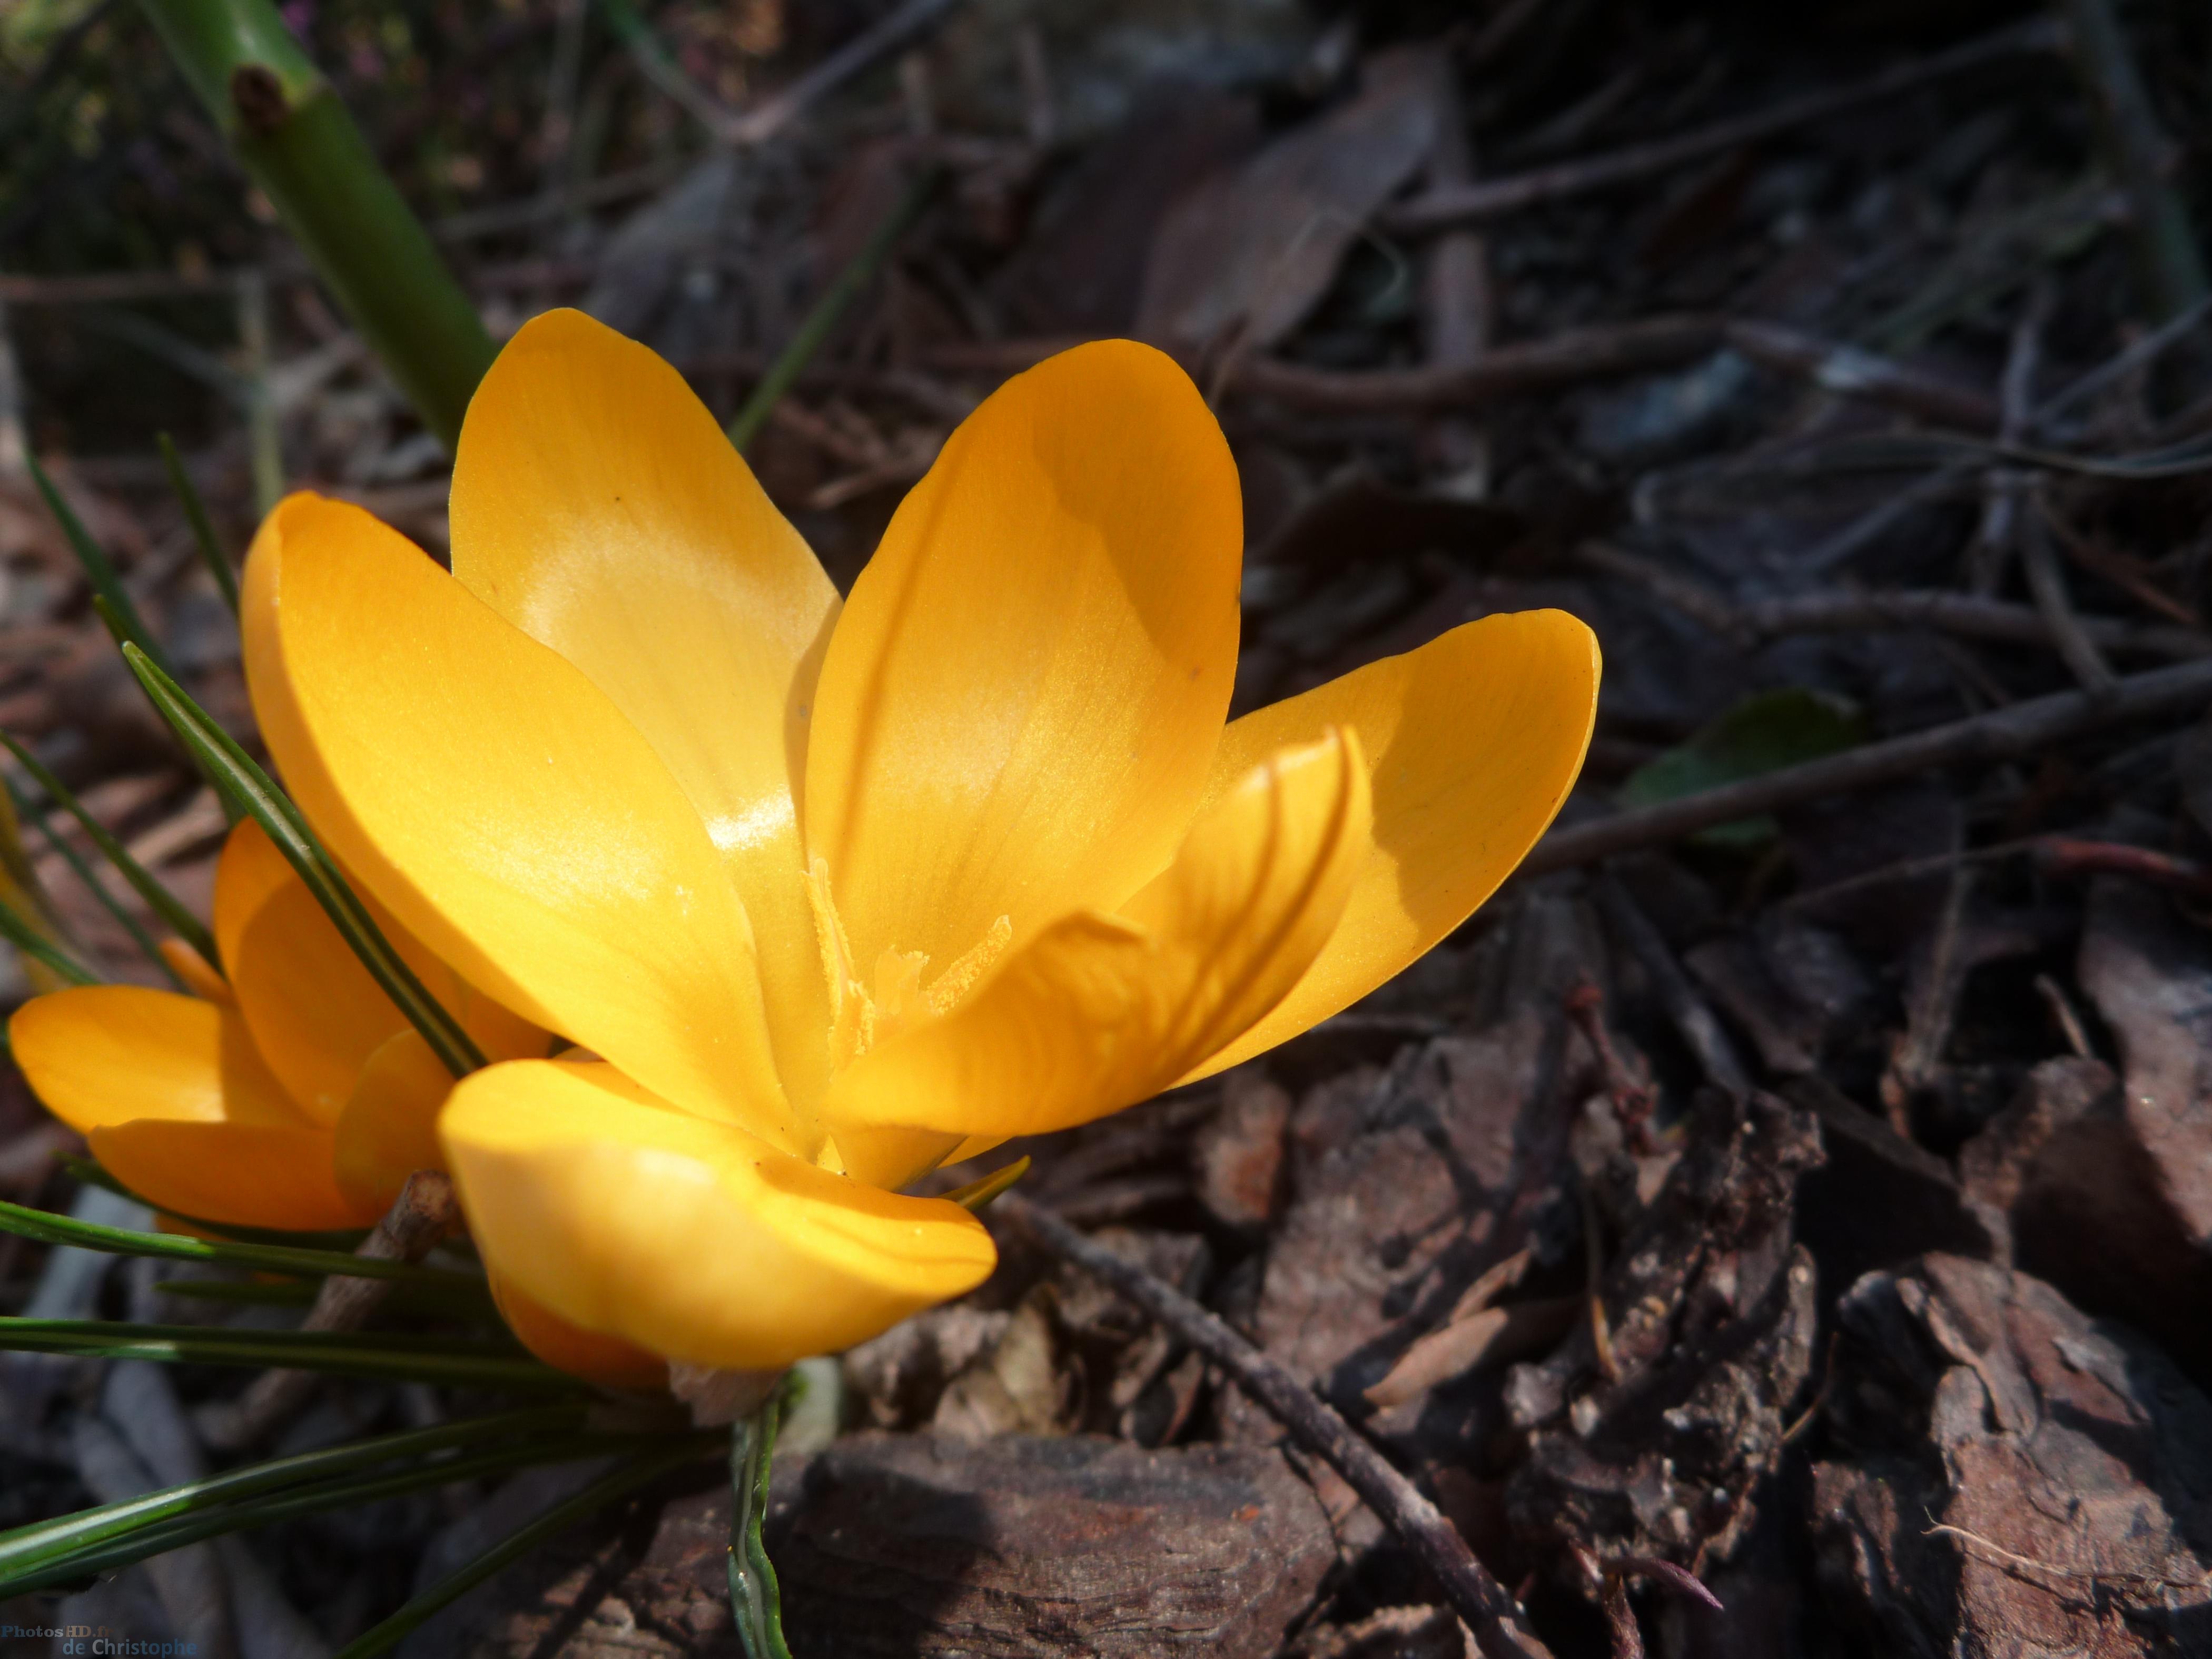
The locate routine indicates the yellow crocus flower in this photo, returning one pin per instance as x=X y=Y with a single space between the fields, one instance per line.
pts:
x=827 y=893
x=291 y=1095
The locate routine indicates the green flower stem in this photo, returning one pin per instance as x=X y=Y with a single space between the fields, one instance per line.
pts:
x=47 y=1228
x=814 y=332
x=196 y=515
x=159 y=899
x=252 y=788
x=27 y=808
x=617 y=1483
x=302 y=148
x=44 y=1540
x=754 y=1599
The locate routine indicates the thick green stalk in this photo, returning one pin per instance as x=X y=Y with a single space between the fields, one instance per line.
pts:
x=302 y=148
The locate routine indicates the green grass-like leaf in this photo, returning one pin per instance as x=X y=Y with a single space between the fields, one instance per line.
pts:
x=164 y=903
x=48 y=1228
x=113 y=604
x=341 y=1353
x=44 y=1541
x=382 y=1637
x=196 y=515
x=20 y=931
x=179 y=1530
x=27 y=808
x=214 y=748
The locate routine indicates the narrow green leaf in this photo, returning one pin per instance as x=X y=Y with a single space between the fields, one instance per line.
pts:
x=191 y=1529
x=273 y=811
x=616 y=1483
x=977 y=1195
x=820 y=322
x=48 y=1228
x=44 y=1540
x=164 y=903
x=114 y=605
x=27 y=808
x=466 y=1299
x=755 y=1601
x=211 y=553
x=343 y=1354
x=18 y=929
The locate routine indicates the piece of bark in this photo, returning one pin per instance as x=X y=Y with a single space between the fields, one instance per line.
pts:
x=1997 y=1164
x=1239 y=1155
x=2117 y=1210
x=915 y=1546
x=1709 y=1309
x=2008 y=1475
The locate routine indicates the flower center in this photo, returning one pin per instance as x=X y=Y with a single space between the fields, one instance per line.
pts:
x=863 y=1014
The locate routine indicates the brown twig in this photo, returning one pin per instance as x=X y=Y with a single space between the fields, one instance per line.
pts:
x=2001 y=734
x=1699 y=1027
x=1494 y=197
x=1521 y=367
x=423 y=1213
x=2004 y=488
x=1496 y=1619
x=2065 y=855
x=2046 y=582
x=1850 y=372
x=1632 y=1097
x=1969 y=616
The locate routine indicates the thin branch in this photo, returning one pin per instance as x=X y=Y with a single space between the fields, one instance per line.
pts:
x=425 y=1212
x=1850 y=372
x=1496 y=1617
x=2001 y=734
x=1969 y=616
x=1495 y=197
x=2046 y=582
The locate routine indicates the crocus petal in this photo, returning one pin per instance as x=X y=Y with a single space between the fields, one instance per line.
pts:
x=599 y=507
x=176 y=1103
x=1099 y=1011
x=197 y=972
x=389 y=1129
x=503 y=809
x=241 y=1175
x=1023 y=695
x=608 y=1361
x=1473 y=740
x=103 y=1055
x=315 y=1013
x=686 y=1238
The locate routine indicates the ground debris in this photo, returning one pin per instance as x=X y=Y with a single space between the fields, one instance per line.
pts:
x=2005 y=1474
